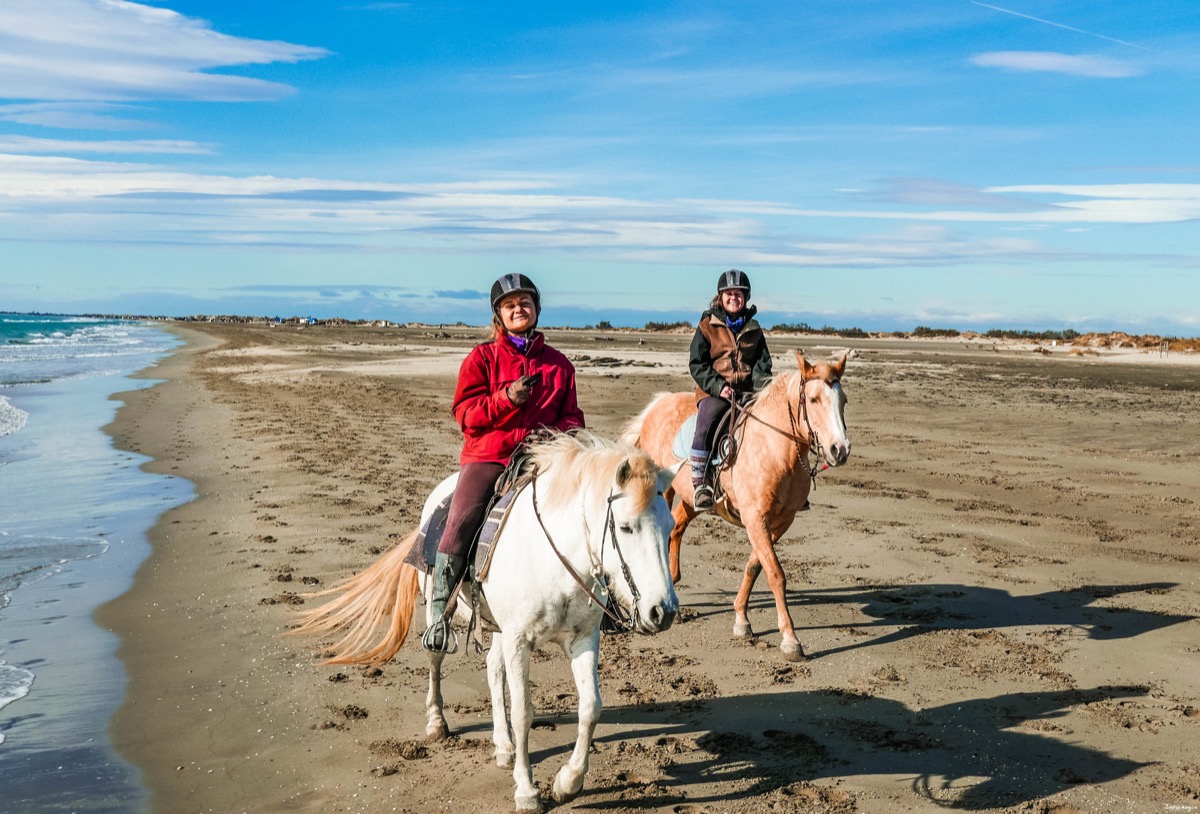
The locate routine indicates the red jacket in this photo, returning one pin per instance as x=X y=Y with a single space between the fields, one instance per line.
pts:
x=492 y=425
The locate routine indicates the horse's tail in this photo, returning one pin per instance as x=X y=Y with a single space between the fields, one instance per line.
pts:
x=386 y=592
x=631 y=433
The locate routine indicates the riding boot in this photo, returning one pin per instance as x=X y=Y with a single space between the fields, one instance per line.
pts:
x=447 y=571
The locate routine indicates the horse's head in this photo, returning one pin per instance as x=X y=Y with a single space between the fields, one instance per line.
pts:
x=822 y=409
x=635 y=558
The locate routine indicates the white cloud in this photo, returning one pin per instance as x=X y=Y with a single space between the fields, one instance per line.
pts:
x=26 y=144
x=55 y=199
x=110 y=50
x=1054 y=62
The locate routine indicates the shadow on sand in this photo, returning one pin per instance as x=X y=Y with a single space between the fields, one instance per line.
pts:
x=967 y=755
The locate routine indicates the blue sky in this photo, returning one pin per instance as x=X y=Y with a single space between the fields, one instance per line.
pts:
x=949 y=163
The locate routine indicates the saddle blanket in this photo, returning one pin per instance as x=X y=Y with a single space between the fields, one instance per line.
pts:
x=681 y=447
x=424 y=551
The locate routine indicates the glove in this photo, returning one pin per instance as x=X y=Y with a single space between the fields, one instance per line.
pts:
x=538 y=435
x=519 y=391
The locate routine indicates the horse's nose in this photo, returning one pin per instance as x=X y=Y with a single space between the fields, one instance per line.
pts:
x=841 y=452
x=661 y=618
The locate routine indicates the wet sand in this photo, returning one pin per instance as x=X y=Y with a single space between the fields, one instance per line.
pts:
x=998 y=593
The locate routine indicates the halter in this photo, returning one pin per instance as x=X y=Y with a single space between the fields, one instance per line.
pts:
x=623 y=619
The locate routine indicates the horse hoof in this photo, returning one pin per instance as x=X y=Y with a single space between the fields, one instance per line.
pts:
x=437 y=732
x=792 y=652
x=526 y=804
x=566 y=785
x=743 y=632
x=505 y=759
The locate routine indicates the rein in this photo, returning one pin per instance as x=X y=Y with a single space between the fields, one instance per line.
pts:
x=624 y=621
x=812 y=441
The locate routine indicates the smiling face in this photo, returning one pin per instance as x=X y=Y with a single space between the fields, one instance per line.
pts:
x=517 y=312
x=733 y=300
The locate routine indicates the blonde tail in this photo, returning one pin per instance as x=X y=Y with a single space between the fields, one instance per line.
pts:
x=387 y=590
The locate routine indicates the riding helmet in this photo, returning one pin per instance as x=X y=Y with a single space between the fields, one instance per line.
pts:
x=734 y=278
x=513 y=284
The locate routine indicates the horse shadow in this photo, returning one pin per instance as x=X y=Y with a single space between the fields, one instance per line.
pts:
x=966 y=755
x=913 y=609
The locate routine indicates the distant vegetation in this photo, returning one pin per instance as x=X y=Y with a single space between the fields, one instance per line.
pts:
x=1062 y=336
x=827 y=330
x=927 y=332
x=667 y=326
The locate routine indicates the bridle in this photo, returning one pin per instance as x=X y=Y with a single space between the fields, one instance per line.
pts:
x=624 y=619
x=812 y=440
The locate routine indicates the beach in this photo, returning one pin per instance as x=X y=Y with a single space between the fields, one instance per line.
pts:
x=998 y=592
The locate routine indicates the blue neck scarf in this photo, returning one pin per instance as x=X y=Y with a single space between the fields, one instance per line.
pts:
x=521 y=343
x=735 y=325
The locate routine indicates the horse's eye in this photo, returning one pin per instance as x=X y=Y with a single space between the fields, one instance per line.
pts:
x=626 y=528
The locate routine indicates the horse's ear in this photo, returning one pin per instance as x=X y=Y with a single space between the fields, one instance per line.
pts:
x=666 y=476
x=840 y=365
x=624 y=472
x=806 y=370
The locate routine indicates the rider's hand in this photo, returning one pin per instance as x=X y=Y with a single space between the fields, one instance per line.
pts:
x=727 y=392
x=520 y=390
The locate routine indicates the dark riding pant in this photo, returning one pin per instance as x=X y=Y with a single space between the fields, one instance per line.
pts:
x=708 y=412
x=476 y=483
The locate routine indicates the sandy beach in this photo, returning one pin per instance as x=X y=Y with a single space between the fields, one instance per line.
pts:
x=998 y=593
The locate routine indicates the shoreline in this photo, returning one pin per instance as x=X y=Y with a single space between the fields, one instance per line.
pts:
x=951 y=641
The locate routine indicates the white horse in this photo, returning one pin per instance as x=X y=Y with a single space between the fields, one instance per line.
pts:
x=593 y=525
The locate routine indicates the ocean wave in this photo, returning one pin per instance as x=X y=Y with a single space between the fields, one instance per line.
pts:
x=12 y=419
x=14 y=684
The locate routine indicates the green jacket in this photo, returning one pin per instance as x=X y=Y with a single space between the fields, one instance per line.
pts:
x=719 y=358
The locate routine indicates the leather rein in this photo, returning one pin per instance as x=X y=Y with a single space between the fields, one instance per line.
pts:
x=624 y=620
x=805 y=445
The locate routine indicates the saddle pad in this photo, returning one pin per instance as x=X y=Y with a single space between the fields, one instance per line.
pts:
x=491 y=529
x=681 y=447
x=421 y=556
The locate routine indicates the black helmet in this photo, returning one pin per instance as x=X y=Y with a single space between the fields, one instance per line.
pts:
x=512 y=284
x=734 y=278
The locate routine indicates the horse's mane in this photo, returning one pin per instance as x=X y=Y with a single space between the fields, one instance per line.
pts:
x=571 y=463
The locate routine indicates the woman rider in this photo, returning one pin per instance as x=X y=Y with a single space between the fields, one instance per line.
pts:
x=729 y=358
x=507 y=387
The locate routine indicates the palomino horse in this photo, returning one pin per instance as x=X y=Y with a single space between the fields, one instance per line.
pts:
x=591 y=528
x=795 y=414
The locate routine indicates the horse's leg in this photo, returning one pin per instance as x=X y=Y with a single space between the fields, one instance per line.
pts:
x=741 y=621
x=763 y=544
x=583 y=654
x=683 y=514
x=500 y=734
x=516 y=662
x=436 y=728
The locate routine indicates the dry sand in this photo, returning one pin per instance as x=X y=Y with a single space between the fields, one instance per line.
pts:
x=998 y=593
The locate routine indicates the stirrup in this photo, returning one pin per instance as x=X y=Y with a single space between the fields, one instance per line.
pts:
x=702 y=498
x=440 y=637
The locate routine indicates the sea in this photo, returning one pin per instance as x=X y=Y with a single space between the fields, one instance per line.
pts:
x=74 y=517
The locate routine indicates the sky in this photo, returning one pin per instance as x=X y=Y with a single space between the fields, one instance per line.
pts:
x=1027 y=164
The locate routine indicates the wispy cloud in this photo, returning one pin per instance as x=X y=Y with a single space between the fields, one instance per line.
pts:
x=57 y=199
x=27 y=144
x=1053 y=62
x=95 y=50
x=73 y=115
